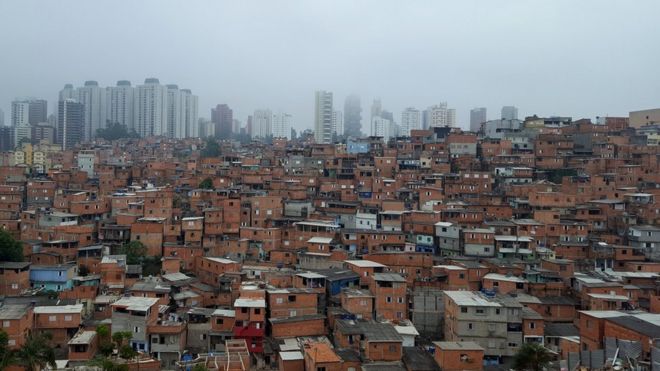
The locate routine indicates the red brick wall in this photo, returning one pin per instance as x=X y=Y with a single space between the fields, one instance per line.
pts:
x=314 y=327
x=450 y=360
x=383 y=351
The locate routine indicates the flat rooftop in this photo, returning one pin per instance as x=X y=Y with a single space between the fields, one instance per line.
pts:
x=457 y=345
x=470 y=299
x=83 y=337
x=365 y=263
x=13 y=311
x=136 y=303
x=75 y=308
x=250 y=303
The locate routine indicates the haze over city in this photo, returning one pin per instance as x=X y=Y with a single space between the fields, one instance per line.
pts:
x=370 y=185
x=580 y=59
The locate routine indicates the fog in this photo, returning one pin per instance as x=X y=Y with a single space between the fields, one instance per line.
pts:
x=577 y=58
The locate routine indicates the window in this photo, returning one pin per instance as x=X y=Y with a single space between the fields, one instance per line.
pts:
x=292 y=298
x=279 y=300
x=320 y=369
x=136 y=329
x=292 y=313
x=219 y=321
x=461 y=275
x=400 y=300
x=52 y=318
x=5 y=323
x=513 y=345
x=388 y=299
x=497 y=310
x=480 y=311
x=532 y=325
x=11 y=342
x=257 y=311
x=68 y=318
x=469 y=326
x=464 y=310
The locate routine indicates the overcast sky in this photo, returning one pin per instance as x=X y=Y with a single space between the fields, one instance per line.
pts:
x=577 y=58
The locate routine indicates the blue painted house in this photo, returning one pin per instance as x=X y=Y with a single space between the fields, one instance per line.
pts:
x=52 y=277
x=355 y=146
x=337 y=279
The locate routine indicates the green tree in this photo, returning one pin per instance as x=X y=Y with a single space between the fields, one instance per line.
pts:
x=557 y=175
x=105 y=344
x=114 y=131
x=103 y=331
x=120 y=337
x=135 y=251
x=151 y=266
x=106 y=348
x=7 y=357
x=532 y=356
x=127 y=352
x=107 y=364
x=36 y=353
x=206 y=184
x=10 y=249
x=211 y=149
x=200 y=367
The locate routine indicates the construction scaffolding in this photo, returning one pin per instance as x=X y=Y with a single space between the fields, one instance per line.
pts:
x=236 y=357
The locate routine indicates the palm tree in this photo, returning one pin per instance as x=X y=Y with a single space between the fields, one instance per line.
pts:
x=532 y=356
x=7 y=356
x=36 y=353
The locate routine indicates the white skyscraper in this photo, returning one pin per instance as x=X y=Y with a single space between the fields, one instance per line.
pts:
x=282 y=125
x=477 y=117
x=20 y=113
x=93 y=98
x=410 y=120
x=383 y=127
x=323 y=117
x=68 y=93
x=20 y=116
x=175 y=126
x=150 y=108
x=451 y=117
x=338 y=122
x=437 y=115
x=376 y=109
x=189 y=112
x=120 y=104
x=262 y=123
x=509 y=113
x=70 y=121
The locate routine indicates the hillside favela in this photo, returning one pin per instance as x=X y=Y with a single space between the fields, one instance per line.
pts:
x=290 y=202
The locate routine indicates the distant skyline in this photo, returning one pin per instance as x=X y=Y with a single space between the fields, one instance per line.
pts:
x=579 y=59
